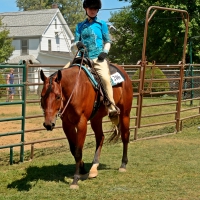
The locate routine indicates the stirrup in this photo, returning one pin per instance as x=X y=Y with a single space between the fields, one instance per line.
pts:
x=117 y=109
x=114 y=116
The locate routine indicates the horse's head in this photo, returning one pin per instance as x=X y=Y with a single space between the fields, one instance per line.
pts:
x=51 y=98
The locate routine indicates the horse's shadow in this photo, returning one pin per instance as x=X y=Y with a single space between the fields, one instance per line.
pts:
x=54 y=173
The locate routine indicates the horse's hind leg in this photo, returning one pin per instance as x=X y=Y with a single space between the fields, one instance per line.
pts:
x=96 y=125
x=125 y=133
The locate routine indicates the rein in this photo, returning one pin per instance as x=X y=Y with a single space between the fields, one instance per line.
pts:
x=60 y=114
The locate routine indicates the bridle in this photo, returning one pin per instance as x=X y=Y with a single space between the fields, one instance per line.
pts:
x=61 y=111
x=49 y=89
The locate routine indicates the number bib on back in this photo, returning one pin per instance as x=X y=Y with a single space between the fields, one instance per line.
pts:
x=116 y=78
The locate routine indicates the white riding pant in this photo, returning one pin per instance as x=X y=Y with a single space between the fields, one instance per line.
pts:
x=103 y=71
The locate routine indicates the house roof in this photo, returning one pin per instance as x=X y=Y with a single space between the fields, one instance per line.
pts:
x=32 y=23
x=25 y=57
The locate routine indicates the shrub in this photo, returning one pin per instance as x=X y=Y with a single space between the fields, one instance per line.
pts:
x=152 y=73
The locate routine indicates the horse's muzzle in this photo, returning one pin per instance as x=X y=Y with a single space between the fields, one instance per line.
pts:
x=49 y=127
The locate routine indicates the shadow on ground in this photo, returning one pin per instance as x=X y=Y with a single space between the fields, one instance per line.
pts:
x=54 y=173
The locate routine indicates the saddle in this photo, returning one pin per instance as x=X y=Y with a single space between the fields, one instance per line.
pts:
x=87 y=65
x=117 y=76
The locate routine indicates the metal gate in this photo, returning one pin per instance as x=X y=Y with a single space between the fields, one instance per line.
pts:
x=21 y=118
x=139 y=106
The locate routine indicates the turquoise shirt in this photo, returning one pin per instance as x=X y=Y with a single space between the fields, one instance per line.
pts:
x=93 y=35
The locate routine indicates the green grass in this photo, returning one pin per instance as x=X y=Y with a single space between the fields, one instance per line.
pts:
x=163 y=168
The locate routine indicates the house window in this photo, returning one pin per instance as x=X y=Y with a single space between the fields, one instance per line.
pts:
x=55 y=23
x=24 y=47
x=49 y=45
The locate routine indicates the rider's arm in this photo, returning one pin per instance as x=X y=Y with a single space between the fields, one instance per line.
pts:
x=106 y=48
x=106 y=38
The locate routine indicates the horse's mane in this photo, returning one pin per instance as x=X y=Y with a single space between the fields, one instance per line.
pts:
x=50 y=84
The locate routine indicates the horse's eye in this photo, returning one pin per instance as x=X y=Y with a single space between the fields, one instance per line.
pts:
x=42 y=101
x=58 y=97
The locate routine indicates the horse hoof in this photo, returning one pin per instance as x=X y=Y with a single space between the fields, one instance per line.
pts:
x=93 y=171
x=122 y=170
x=93 y=174
x=74 y=187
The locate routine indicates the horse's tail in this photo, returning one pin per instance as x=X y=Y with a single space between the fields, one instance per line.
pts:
x=115 y=135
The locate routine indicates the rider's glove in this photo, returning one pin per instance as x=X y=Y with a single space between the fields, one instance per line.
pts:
x=102 y=56
x=80 y=45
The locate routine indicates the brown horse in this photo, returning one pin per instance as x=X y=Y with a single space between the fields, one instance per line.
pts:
x=70 y=93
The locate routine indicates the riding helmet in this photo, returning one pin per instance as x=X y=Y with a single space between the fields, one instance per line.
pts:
x=92 y=4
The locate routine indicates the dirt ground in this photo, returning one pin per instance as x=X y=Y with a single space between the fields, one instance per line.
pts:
x=31 y=135
x=13 y=111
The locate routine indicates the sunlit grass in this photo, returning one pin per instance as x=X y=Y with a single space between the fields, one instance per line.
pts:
x=164 y=168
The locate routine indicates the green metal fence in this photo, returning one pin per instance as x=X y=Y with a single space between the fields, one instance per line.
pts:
x=21 y=118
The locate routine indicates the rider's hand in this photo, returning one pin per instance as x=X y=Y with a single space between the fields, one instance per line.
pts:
x=80 y=45
x=102 y=56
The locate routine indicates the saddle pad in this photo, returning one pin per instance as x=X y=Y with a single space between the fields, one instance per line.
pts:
x=90 y=76
x=115 y=78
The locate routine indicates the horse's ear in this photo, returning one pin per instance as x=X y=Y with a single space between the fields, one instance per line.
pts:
x=59 y=76
x=42 y=76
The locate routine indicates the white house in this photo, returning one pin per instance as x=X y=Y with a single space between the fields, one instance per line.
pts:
x=40 y=35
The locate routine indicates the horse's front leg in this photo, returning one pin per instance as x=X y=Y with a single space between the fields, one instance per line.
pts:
x=78 y=151
x=76 y=141
x=96 y=125
x=80 y=169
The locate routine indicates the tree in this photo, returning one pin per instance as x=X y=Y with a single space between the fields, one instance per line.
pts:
x=154 y=73
x=125 y=47
x=165 y=33
x=72 y=10
x=6 y=47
